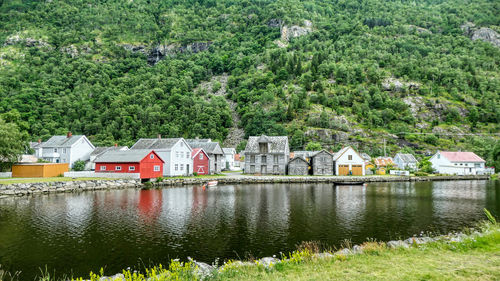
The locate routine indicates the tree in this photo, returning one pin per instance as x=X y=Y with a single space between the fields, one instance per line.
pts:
x=426 y=166
x=313 y=146
x=79 y=165
x=11 y=142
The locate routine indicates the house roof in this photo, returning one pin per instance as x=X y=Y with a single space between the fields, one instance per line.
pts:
x=209 y=147
x=383 y=161
x=229 y=150
x=101 y=149
x=199 y=140
x=157 y=144
x=458 y=156
x=365 y=156
x=196 y=151
x=278 y=144
x=125 y=156
x=297 y=159
x=61 y=141
x=35 y=144
x=318 y=152
x=337 y=155
x=407 y=157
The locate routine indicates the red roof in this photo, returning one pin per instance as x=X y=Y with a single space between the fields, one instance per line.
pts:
x=459 y=156
x=195 y=151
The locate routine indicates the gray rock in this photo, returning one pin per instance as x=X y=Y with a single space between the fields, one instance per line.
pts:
x=343 y=252
x=268 y=261
x=203 y=270
x=118 y=276
x=397 y=244
x=357 y=249
x=323 y=255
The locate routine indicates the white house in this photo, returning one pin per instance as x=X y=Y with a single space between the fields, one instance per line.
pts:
x=99 y=151
x=348 y=162
x=229 y=154
x=457 y=163
x=406 y=161
x=176 y=153
x=65 y=149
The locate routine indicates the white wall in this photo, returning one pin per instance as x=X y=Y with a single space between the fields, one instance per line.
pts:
x=443 y=166
x=80 y=150
x=177 y=155
x=344 y=160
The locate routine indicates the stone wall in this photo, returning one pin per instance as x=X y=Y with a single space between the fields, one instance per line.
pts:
x=92 y=174
x=21 y=189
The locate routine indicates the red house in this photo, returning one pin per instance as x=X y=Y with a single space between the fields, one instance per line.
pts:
x=201 y=162
x=143 y=161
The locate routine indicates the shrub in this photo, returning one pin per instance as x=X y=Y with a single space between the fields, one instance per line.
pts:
x=421 y=174
x=79 y=165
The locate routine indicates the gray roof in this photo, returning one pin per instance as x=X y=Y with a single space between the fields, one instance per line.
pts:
x=228 y=150
x=157 y=144
x=298 y=159
x=35 y=144
x=277 y=144
x=318 y=152
x=366 y=157
x=101 y=149
x=406 y=157
x=209 y=147
x=123 y=156
x=61 y=141
x=199 y=140
x=304 y=154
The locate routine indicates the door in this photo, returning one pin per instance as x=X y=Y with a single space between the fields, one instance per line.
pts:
x=343 y=170
x=357 y=170
x=187 y=169
x=263 y=169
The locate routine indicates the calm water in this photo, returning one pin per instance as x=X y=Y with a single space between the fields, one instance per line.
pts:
x=76 y=233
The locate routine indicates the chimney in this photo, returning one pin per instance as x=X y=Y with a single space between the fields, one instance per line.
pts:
x=159 y=136
x=69 y=135
x=39 y=140
x=116 y=145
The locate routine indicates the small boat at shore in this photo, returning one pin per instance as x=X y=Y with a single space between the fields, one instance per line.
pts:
x=349 y=183
x=212 y=183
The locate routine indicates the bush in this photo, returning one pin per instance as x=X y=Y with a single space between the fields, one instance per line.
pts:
x=79 y=165
x=421 y=174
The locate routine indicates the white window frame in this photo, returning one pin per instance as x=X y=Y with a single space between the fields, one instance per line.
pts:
x=182 y=167
x=187 y=155
x=64 y=150
x=118 y=168
x=55 y=150
x=176 y=167
x=131 y=168
x=201 y=156
x=156 y=168
x=152 y=156
x=103 y=168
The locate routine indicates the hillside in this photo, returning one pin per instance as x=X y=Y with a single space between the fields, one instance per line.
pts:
x=419 y=74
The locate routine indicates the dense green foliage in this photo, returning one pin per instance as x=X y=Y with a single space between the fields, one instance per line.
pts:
x=330 y=79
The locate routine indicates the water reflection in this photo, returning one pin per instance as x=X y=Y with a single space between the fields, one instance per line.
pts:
x=116 y=229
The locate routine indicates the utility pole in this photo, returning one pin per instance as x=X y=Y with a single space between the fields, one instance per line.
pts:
x=385 y=155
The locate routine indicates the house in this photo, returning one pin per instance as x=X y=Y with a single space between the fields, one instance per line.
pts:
x=146 y=162
x=266 y=155
x=366 y=157
x=457 y=163
x=213 y=150
x=347 y=161
x=229 y=154
x=306 y=155
x=383 y=164
x=298 y=166
x=39 y=170
x=36 y=148
x=406 y=161
x=322 y=163
x=65 y=149
x=201 y=161
x=176 y=153
x=237 y=159
x=100 y=150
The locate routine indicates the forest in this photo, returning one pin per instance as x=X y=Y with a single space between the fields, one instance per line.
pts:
x=339 y=72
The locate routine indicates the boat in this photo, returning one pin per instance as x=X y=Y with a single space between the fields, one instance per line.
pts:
x=349 y=183
x=212 y=183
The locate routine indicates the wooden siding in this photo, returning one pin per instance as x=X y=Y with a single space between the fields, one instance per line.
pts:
x=42 y=170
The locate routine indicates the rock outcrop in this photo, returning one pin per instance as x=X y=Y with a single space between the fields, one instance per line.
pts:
x=484 y=34
x=27 y=41
x=157 y=53
x=294 y=31
x=392 y=83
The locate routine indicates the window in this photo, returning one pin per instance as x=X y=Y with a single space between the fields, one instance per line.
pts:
x=55 y=150
x=118 y=168
x=275 y=159
x=177 y=154
x=182 y=167
x=252 y=169
x=64 y=150
x=176 y=167
x=103 y=168
x=152 y=156
x=252 y=159
x=131 y=168
x=349 y=157
x=263 y=147
x=187 y=155
x=264 y=159
x=156 y=168
x=439 y=156
x=201 y=156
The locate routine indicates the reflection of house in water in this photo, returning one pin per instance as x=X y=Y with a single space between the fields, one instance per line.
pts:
x=350 y=205
x=176 y=211
x=79 y=212
x=150 y=204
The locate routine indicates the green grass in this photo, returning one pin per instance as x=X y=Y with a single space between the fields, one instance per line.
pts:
x=477 y=257
x=54 y=179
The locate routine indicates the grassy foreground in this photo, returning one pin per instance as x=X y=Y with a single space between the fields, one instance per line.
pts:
x=477 y=257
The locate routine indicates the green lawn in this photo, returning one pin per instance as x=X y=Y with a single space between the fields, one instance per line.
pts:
x=54 y=179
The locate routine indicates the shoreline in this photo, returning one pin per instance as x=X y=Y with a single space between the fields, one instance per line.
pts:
x=23 y=189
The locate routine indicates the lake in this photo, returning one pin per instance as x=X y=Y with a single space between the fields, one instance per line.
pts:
x=74 y=233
